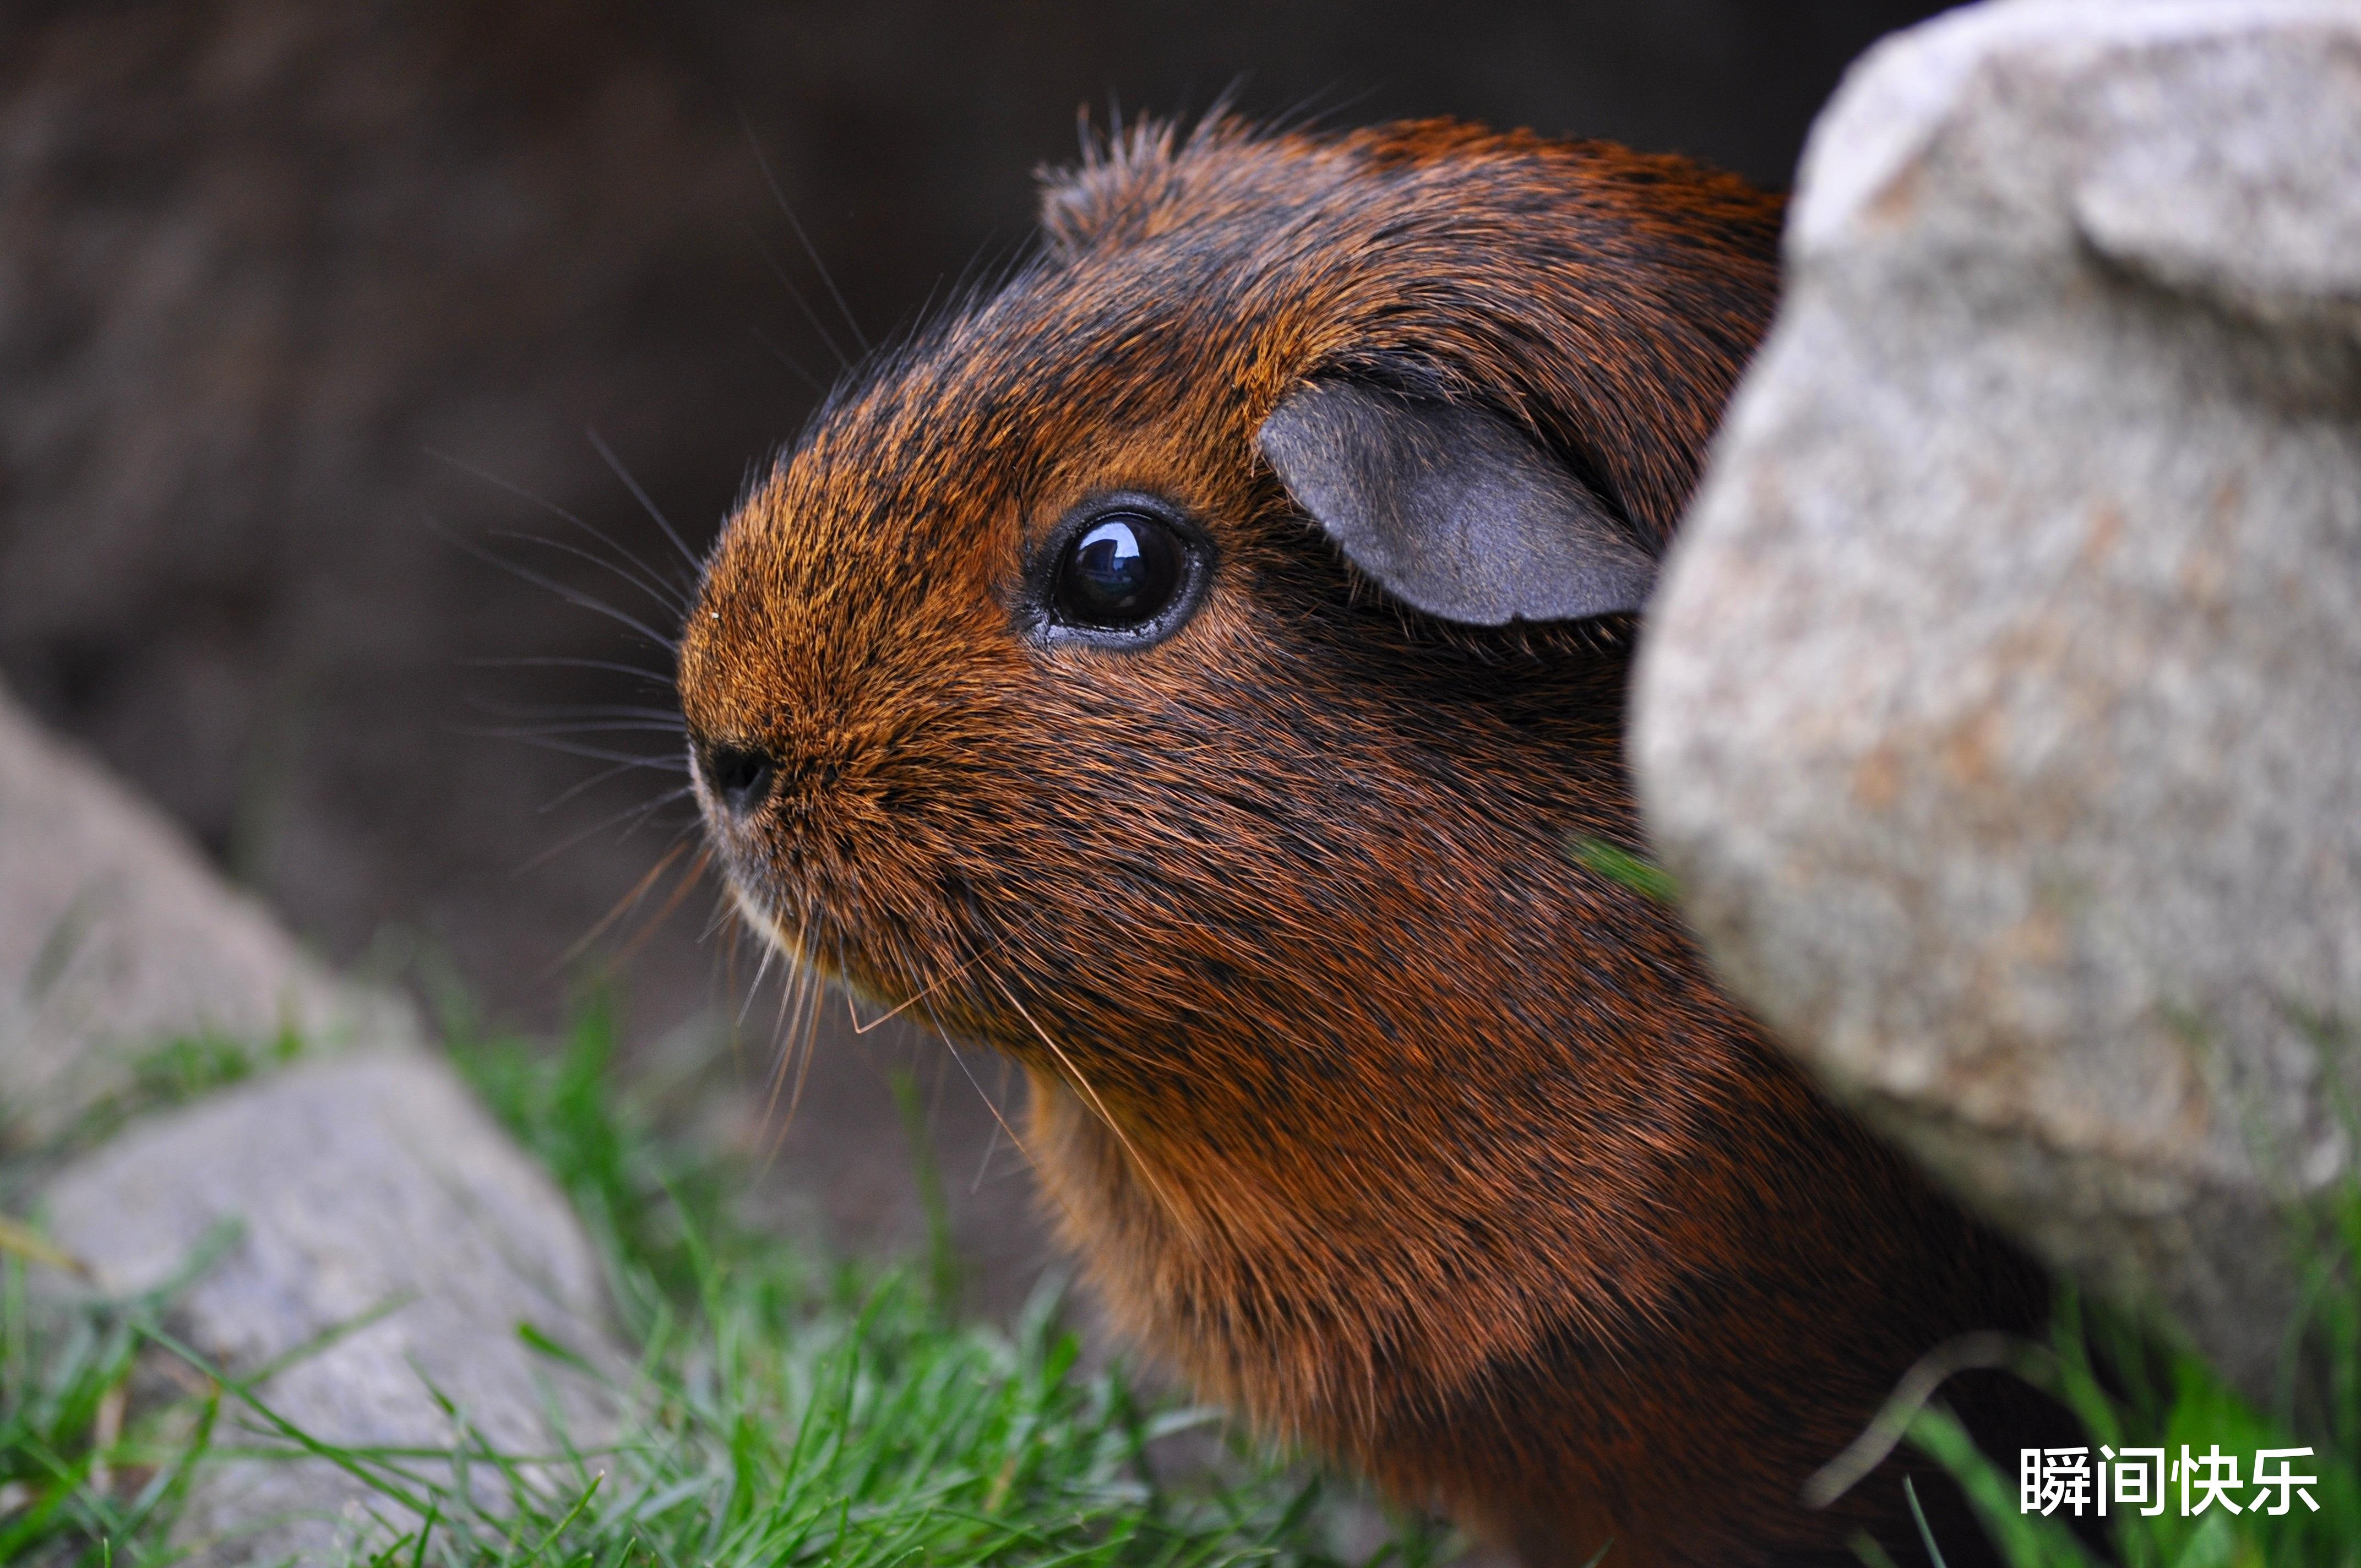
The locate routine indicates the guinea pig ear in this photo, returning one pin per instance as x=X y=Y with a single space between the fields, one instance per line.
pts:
x=1455 y=510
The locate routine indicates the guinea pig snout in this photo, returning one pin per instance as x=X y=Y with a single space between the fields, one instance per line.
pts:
x=740 y=778
x=744 y=779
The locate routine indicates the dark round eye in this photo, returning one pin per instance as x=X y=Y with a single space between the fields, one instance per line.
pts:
x=1119 y=572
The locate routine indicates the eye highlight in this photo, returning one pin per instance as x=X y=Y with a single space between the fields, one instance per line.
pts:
x=1125 y=571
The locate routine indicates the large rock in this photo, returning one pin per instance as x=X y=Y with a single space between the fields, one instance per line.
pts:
x=2001 y=711
x=370 y=1190
x=115 y=939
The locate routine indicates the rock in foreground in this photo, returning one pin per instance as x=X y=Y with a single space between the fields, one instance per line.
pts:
x=2001 y=711
x=115 y=937
x=373 y=1191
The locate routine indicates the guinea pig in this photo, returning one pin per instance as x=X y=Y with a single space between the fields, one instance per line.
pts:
x=1184 y=667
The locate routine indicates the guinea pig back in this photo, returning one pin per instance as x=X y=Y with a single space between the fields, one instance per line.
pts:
x=1184 y=667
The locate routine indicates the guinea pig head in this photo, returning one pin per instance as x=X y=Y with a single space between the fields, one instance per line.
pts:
x=1147 y=616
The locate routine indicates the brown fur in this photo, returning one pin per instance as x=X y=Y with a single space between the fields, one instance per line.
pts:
x=1364 y=1105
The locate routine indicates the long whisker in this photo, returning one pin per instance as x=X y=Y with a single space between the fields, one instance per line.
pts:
x=570 y=727
x=1145 y=1173
x=730 y=979
x=535 y=733
x=668 y=593
x=951 y=1048
x=622 y=906
x=788 y=282
x=634 y=815
x=754 y=988
x=499 y=709
x=663 y=593
x=804 y=239
x=613 y=666
x=790 y=995
x=790 y=990
x=542 y=580
x=726 y=916
x=861 y=1028
x=593 y=781
x=1024 y=1152
x=803 y=1067
x=664 y=763
x=641 y=496
x=968 y=1074
x=792 y=363
x=990 y=1144
x=695 y=874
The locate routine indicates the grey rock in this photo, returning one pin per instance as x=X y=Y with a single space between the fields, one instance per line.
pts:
x=370 y=1190
x=115 y=937
x=2001 y=711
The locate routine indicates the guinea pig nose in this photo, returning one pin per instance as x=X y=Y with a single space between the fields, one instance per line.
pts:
x=738 y=777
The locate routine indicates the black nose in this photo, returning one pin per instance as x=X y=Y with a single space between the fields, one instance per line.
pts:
x=739 y=778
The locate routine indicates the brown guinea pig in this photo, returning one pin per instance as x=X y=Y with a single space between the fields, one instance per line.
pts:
x=1184 y=668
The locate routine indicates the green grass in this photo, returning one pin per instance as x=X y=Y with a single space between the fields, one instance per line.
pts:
x=74 y=1482
x=786 y=1409
x=1619 y=865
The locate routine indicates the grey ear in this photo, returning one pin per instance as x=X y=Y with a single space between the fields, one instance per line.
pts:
x=1455 y=510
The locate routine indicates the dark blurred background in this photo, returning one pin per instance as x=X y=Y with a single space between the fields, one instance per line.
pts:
x=259 y=258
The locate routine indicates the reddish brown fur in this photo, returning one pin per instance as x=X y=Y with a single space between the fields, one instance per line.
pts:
x=1362 y=1102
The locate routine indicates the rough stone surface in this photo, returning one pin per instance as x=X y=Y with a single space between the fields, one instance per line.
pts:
x=114 y=938
x=370 y=1190
x=2001 y=712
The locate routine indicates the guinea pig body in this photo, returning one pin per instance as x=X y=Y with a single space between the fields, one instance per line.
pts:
x=1084 y=675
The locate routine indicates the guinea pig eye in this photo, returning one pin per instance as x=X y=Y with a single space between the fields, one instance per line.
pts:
x=1119 y=572
x=1125 y=573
